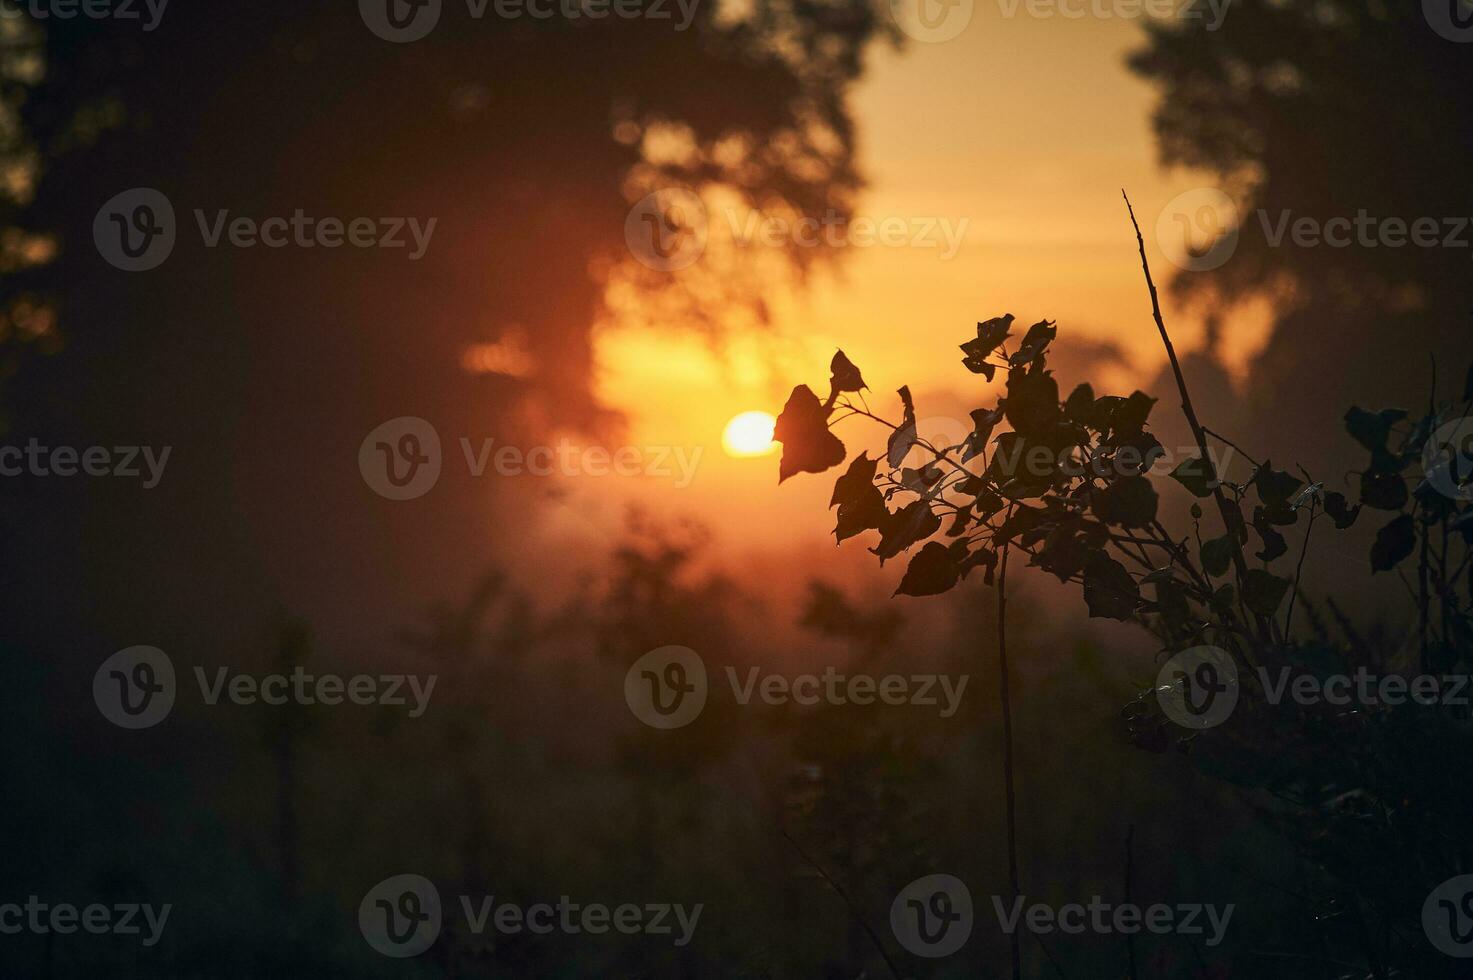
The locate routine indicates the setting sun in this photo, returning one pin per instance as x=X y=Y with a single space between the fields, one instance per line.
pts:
x=749 y=434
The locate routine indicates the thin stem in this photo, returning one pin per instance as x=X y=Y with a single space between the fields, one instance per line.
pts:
x=1007 y=747
x=1232 y=445
x=1423 y=600
x=1230 y=518
x=1299 y=572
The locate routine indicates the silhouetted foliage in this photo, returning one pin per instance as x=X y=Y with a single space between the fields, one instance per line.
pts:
x=1066 y=482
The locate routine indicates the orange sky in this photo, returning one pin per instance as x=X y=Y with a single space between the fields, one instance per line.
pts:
x=1027 y=128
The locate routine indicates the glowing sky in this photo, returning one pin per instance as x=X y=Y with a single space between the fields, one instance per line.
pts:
x=1027 y=129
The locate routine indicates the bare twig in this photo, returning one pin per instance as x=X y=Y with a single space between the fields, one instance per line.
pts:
x=1299 y=572
x=1231 y=520
x=1231 y=445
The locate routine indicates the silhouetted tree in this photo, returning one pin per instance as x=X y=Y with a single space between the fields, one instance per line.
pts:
x=1321 y=109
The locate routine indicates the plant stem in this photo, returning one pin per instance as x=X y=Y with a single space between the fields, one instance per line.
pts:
x=1007 y=747
x=1423 y=600
x=1299 y=574
x=1231 y=519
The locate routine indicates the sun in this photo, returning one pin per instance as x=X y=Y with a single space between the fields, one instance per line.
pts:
x=749 y=434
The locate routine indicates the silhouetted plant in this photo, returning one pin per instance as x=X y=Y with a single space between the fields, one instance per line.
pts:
x=1065 y=481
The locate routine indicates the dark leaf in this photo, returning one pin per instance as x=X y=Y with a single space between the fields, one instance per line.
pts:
x=861 y=505
x=922 y=479
x=1079 y=406
x=802 y=428
x=960 y=522
x=857 y=482
x=1394 y=543
x=1217 y=555
x=1137 y=454
x=843 y=375
x=1263 y=591
x=1340 y=511
x=1032 y=402
x=1109 y=591
x=1197 y=475
x=1435 y=504
x=1130 y=415
x=1274 y=544
x=987 y=370
x=990 y=334
x=1035 y=342
x=1064 y=552
x=1103 y=414
x=1383 y=491
x=987 y=502
x=932 y=571
x=1372 y=429
x=1275 y=487
x=1128 y=502
x=1022 y=521
x=983 y=422
x=905 y=436
x=898 y=531
x=985 y=557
